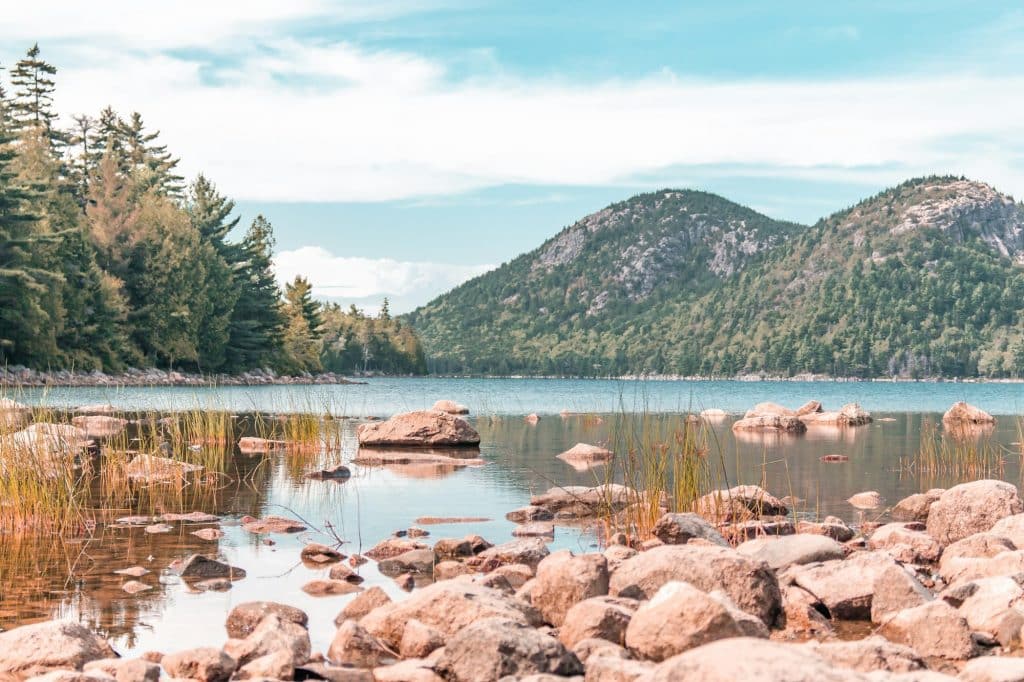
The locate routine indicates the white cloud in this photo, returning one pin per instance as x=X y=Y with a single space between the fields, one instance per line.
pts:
x=358 y=280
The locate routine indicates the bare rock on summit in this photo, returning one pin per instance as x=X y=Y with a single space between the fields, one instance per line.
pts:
x=422 y=428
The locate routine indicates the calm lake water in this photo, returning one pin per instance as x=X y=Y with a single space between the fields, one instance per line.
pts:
x=73 y=577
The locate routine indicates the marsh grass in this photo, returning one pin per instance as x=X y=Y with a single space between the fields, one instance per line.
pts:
x=955 y=455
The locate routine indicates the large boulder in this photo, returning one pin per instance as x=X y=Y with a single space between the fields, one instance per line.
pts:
x=962 y=414
x=424 y=428
x=850 y=414
x=739 y=503
x=564 y=580
x=748 y=658
x=244 y=618
x=354 y=645
x=932 y=629
x=494 y=648
x=363 y=603
x=964 y=570
x=971 y=508
x=845 y=587
x=34 y=649
x=750 y=584
x=448 y=607
x=597 y=617
x=896 y=589
x=916 y=507
x=678 y=529
x=783 y=551
x=272 y=636
x=680 y=617
x=769 y=409
x=965 y=553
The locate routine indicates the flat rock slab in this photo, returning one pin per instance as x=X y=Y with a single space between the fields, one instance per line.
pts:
x=780 y=552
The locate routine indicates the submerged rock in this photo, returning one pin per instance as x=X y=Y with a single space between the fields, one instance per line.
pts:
x=426 y=427
x=271 y=524
x=584 y=456
x=251 y=445
x=198 y=567
x=151 y=468
x=98 y=426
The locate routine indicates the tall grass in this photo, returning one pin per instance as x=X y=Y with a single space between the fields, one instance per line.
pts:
x=955 y=454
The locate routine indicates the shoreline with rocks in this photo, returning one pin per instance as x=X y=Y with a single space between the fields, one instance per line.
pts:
x=23 y=377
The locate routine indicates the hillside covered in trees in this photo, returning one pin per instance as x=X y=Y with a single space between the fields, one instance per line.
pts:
x=109 y=259
x=923 y=280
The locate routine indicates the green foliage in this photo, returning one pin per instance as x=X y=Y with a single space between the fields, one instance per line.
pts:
x=868 y=292
x=355 y=342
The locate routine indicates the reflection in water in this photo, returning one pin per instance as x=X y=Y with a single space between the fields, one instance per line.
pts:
x=43 y=577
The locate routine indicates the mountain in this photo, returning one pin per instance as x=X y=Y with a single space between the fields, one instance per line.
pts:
x=924 y=279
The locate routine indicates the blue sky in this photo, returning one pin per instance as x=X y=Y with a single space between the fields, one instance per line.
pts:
x=401 y=146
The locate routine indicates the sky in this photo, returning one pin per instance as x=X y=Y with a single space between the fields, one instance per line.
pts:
x=400 y=147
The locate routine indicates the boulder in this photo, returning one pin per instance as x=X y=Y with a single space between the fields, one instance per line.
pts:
x=585 y=456
x=780 y=552
x=424 y=428
x=616 y=554
x=850 y=414
x=895 y=589
x=769 y=409
x=963 y=570
x=868 y=499
x=810 y=407
x=98 y=426
x=411 y=670
x=1011 y=528
x=747 y=658
x=354 y=645
x=528 y=551
x=330 y=588
x=971 y=508
x=419 y=640
x=343 y=572
x=244 y=618
x=932 y=629
x=916 y=507
x=125 y=669
x=205 y=664
x=529 y=514
x=275 y=666
x=963 y=414
x=420 y=561
x=198 y=567
x=537 y=529
x=678 y=529
x=677 y=618
x=34 y=649
x=994 y=606
x=363 y=603
x=868 y=655
x=770 y=423
x=448 y=607
x=739 y=503
x=448 y=569
x=603 y=668
x=450 y=406
x=598 y=617
x=578 y=502
x=155 y=469
x=318 y=554
x=845 y=587
x=831 y=527
x=586 y=649
x=905 y=544
x=517 y=575
x=977 y=546
x=993 y=669
x=564 y=580
x=271 y=636
x=392 y=547
x=493 y=648
x=803 y=614
x=750 y=584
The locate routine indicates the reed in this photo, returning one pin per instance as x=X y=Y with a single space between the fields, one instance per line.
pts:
x=955 y=455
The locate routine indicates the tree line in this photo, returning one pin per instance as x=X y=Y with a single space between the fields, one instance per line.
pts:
x=109 y=259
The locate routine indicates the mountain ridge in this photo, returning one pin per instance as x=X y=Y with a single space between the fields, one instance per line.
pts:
x=922 y=279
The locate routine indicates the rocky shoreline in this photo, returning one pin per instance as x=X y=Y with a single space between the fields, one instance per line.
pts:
x=30 y=378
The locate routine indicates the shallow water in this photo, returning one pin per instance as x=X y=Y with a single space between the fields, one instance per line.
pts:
x=47 y=577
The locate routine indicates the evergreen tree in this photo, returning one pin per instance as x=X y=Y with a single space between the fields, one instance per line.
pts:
x=302 y=334
x=257 y=323
x=144 y=154
x=33 y=82
x=299 y=297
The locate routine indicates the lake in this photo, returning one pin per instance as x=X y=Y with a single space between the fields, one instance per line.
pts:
x=46 y=577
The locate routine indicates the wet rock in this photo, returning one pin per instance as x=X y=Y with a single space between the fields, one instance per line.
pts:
x=781 y=552
x=584 y=456
x=329 y=588
x=845 y=587
x=529 y=513
x=134 y=571
x=34 y=649
x=747 y=658
x=598 y=617
x=251 y=445
x=916 y=507
x=208 y=534
x=776 y=423
x=418 y=429
x=316 y=553
x=739 y=503
x=528 y=551
x=134 y=587
x=850 y=414
x=564 y=580
x=419 y=561
x=971 y=508
x=392 y=547
x=98 y=426
x=678 y=529
x=343 y=572
x=354 y=645
x=337 y=473
x=493 y=648
x=125 y=669
x=961 y=414
x=750 y=584
x=448 y=607
x=198 y=567
x=869 y=654
x=271 y=524
x=866 y=500
x=243 y=619
x=271 y=636
x=158 y=469
x=534 y=530
x=895 y=590
x=932 y=629
x=580 y=502
x=450 y=406
x=205 y=664
x=679 y=617
x=158 y=528
x=905 y=544
x=362 y=604
x=419 y=640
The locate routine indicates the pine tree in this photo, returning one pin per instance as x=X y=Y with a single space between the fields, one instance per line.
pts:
x=153 y=160
x=84 y=157
x=34 y=84
x=303 y=332
x=298 y=295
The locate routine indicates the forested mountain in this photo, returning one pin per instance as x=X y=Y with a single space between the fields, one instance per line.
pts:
x=108 y=259
x=925 y=279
